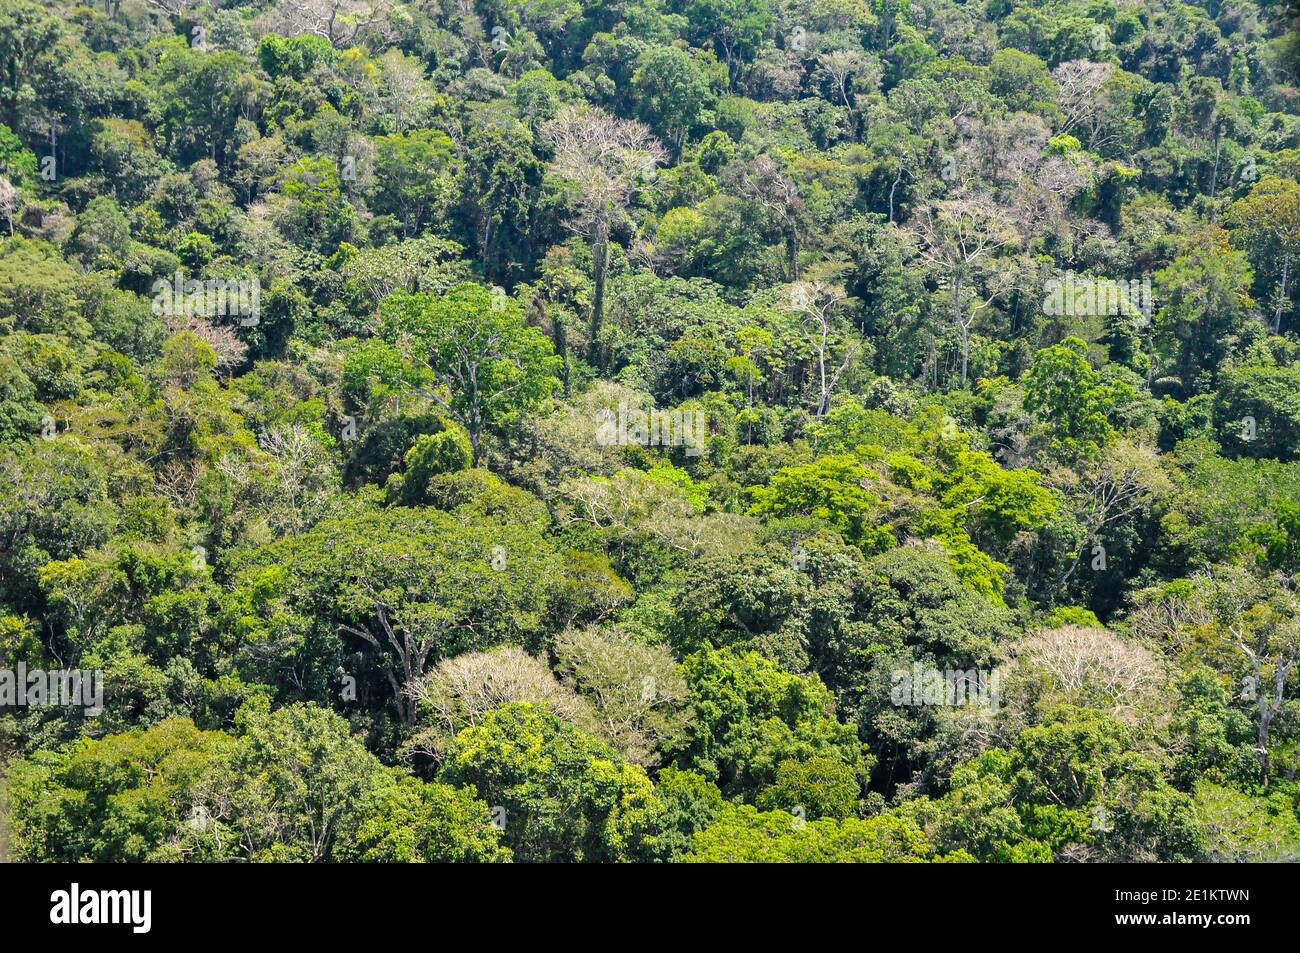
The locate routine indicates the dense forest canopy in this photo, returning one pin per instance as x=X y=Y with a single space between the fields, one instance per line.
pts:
x=654 y=430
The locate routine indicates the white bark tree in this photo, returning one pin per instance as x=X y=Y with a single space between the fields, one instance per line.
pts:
x=819 y=303
x=604 y=163
x=961 y=240
x=11 y=201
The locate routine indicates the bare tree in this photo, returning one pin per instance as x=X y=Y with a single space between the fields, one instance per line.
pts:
x=819 y=302
x=1168 y=618
x=960 y=238
x=1080 y=85
x=1262 y=626
x=11 y=201
x=169 y=8
x=634 y=504
x=339 y=21
x=762 y=182
x=1095 y=667
x=304 y=475
x=603 y=162
x=405 y=95
x=460 y=691
x=1127 y=477
x=638 y=690
x=845 y=65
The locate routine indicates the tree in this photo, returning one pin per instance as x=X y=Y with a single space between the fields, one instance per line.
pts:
x=314 y=209
x=1257 y=411
x=1121 y=480
x=406 y=96
x=1260 y=623
x=1094 y=668
x=1267 y=222
x=817 y=303
x=819 y=787
x=473 y=355
x=763 y=183
x=637 y=689
x=1079 y=85
x=11 y=202
x=55 y=502
x=411 y=586
x=31 y=56
x=415 y=822
x=836 y=489
x=749 y=717
x=126 y=798
x=736 y=28
x=339 y=21
x=1205 y=295
x=1068 y=397
x=847 y=65
x=504 y=180
x=1095 y=795
x=672 y=90
x=562 y=794
x=602 y=163
x=291 y=789
x=744 y=835
x=1240 y=829
x=414 y=177
x=960 y=238
x=461 y=691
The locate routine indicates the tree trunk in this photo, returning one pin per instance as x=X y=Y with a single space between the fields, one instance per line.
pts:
x=956 y=319
x=965 y=351
x=1265 y=721
x=600 y=259
x=1281 y=297
x=1218 y=151
x=559 y=338
x=897 y=178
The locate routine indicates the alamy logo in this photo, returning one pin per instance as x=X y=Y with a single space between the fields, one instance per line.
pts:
x=37 y=688
x=656 y=428
x=1096 y=297
x=926 y=685
x=74 y=906
x=214 y=298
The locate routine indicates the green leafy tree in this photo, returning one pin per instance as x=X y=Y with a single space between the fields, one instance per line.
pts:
x=406 y=587
x=1257 y=411
x=744 y=835
x=1205 y=302
x=473 y=354
x=125 y=798
x=836 y=489
x=563 y=794
x=672 y=91
x=750 y=717
x=1070 y=400
x=1267 y=222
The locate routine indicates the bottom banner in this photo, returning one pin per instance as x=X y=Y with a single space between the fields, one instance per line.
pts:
x=140 y=904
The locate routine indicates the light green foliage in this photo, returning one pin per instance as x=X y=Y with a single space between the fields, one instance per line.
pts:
x=749 y=716
x=836 y=489
x=472 y=348
x=744 y=835
x=564 y=793
x=415 y=822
